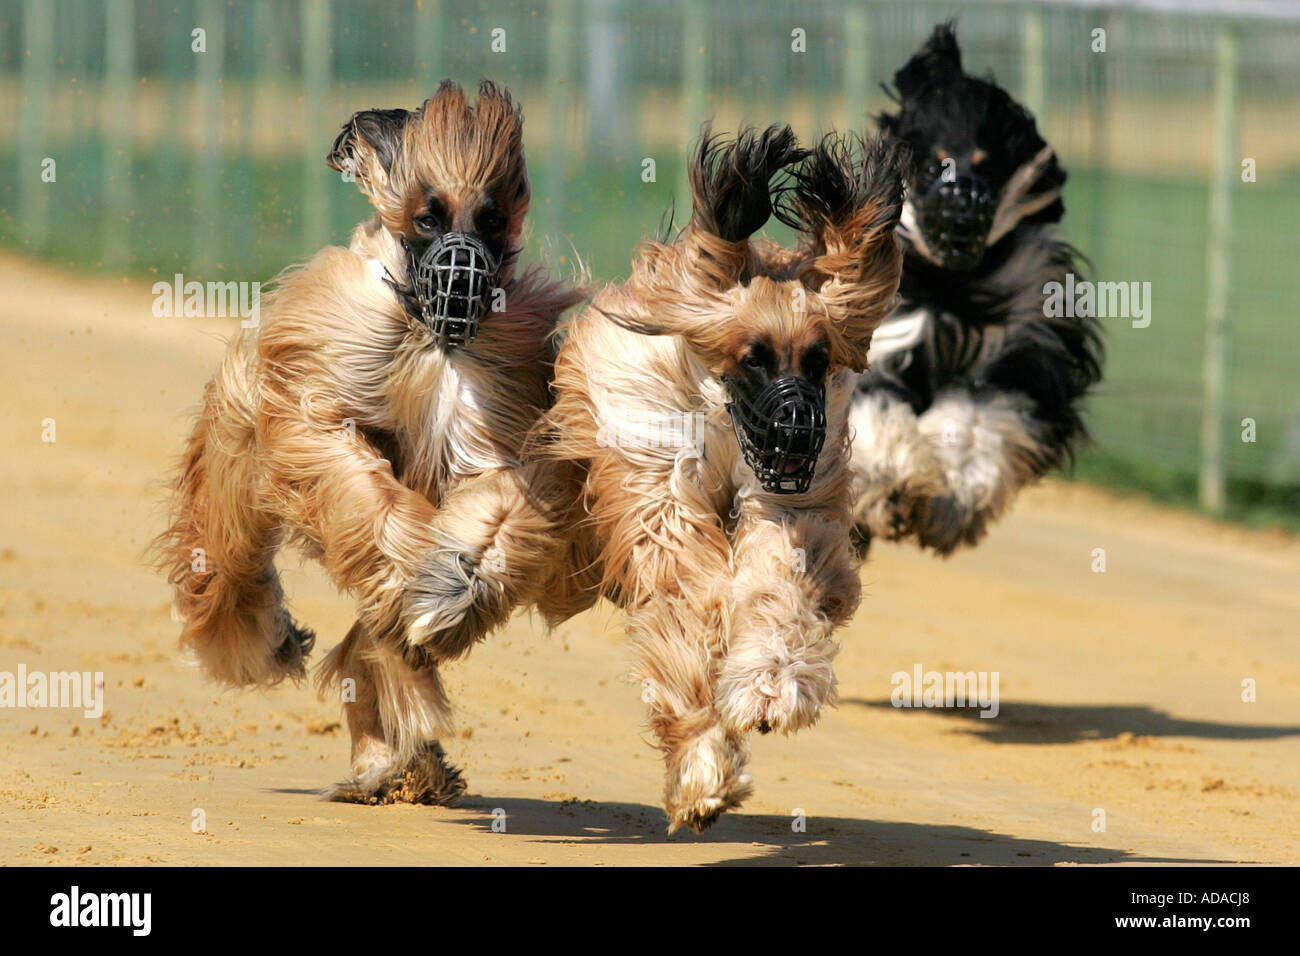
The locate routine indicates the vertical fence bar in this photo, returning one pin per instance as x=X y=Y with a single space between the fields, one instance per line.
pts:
x=604 y=88
x=117 y=134
x=1033 y=41
x=819 y=71
x=695 y=82
x=33 y=124
x=206 y=182
x=1218 y=261
x=857 y=68
x=269 y=89
x=559 y=98
x=778 y=62
x=1098 y=125
x=429 y=70
x=315 y=90
x=266 y=86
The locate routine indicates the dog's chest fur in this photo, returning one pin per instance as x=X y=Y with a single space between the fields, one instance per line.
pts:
x=963 y=320
x=452 y=416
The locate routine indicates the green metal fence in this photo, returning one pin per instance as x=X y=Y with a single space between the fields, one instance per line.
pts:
x=152 y=137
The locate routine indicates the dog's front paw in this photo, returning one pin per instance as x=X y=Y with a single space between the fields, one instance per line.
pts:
x=767 y=685
x=706 y=777
x=455 y=600
x=950 y=524
x=894 y=511
x=895 y=470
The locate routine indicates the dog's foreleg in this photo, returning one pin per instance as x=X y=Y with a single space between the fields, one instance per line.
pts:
x=500 y=536
x=371 y=532
x=988 y=449
x=895 y=470
x=794 y=583
x=677 y=672
x=669 y=564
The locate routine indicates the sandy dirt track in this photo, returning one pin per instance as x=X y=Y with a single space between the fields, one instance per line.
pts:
x=1119 y=691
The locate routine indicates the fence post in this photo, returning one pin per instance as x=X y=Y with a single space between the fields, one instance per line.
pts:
x=428 y=45
x=316 y=219
x=606 y=104
x=267 y=86
x=695 y=81
x=1034 y=52
x=206 y=179
x=1218 y=261
x=778 y=65
x=1099 y=145
x=33 y=125
x=559 y=96
x=856 y=67
x=117 y=133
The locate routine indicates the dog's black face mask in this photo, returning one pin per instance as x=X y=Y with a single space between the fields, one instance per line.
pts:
x=981 y=167
x=956 y=218
x=451 y=282
x=781 y=430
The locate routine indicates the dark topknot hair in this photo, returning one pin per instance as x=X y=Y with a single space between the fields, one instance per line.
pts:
x=938 y=59
x=731 y=180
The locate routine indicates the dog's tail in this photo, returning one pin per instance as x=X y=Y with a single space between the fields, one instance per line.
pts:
x=218 y=549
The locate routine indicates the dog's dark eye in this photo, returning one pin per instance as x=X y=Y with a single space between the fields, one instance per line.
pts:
x=430 y=220
x=815 y=364
x=758 y=358
x=492 y=222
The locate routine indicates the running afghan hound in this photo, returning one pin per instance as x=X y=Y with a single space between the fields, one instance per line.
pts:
x=376 y=418
x=975 y=388
x=707 y=399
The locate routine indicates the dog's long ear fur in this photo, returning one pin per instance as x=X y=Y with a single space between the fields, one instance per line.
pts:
x=731 y=197
x=732 y=187
x=848 y=195
x=367 y=146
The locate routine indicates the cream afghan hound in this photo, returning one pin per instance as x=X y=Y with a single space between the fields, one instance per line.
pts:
x=707 y=400
x=376 y=418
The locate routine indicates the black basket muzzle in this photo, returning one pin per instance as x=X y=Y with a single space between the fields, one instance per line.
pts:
x=781 y=431
x=955 y=218
x=452 y=280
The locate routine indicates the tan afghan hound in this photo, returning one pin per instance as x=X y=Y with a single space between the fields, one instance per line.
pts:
x=377 y=418
x=707 y=399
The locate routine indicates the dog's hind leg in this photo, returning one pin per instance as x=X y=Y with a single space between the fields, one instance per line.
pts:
x=794 y=584
x=219 y=553
x=395 y=714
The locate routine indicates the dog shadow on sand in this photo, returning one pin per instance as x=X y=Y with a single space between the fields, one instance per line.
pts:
x=1024 y=723
x=769 y=839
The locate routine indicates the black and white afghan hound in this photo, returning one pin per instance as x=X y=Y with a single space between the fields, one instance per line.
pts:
x=973 y=392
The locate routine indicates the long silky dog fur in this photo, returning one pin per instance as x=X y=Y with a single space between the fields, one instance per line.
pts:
x=987 y=396
x=732 y=592
x=338 y=426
